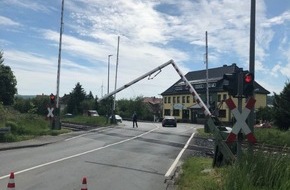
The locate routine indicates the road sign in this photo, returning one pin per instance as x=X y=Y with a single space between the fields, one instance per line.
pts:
x=241 y=120
x=50 y=112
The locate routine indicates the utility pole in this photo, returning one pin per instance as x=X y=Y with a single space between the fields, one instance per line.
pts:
x=206 y=62
x=59 y=56
x=57 y=123
x=252 y=61
x=117 y=63
x=109 y=73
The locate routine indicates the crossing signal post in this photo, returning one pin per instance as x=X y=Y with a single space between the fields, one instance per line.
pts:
x=248 y=84
x=52 y=99
x=230 y=83
x=53 y=112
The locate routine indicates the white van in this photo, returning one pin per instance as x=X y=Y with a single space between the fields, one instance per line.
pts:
x=93 y=113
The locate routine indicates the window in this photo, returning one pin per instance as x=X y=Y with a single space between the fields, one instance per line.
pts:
x=178 y=99
x=175 y=112
x=167 y=112
x=187 y=99
x=174 y=101
x=165 y=100
x=224 y=96
x=169 y=100
x=219 y=98
x=183 y=99
x=193 y=99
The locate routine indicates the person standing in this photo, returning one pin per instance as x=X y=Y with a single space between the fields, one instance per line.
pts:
x=134 y=118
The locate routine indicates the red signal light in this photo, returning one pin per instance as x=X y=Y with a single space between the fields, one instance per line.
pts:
x=52 y=98
x=248 y=84
x=248 y=78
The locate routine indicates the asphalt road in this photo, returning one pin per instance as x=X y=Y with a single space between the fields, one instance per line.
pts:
x=121 y=158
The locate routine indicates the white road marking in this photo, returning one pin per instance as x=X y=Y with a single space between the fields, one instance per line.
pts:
x=173 y=166
x=78 y=136
x=79 y=154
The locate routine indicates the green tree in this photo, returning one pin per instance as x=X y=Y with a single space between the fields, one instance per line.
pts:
x=90 y=96
x=40 y=104
x=281 y=108
x=104 y=107
x=264 y=113
x=126 y=108
x=22 y=105
x=77 y=96
x=7 y=83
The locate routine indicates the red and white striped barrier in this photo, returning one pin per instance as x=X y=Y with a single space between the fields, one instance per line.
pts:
x=240 y=120
x=11 y=183
x=192 y=91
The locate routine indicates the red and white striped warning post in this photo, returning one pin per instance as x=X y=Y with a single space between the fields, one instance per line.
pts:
x=11 y=183
x=84 y=184
x=241 y=120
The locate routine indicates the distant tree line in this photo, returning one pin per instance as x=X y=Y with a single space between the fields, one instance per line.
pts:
x=78 y=103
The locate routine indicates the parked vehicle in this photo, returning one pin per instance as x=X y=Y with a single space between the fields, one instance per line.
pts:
x=93 y=113
x=118 y=118
x=169 y=121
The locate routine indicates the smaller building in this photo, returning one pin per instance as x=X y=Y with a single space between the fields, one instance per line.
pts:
x=178 y=102
x=155 y=106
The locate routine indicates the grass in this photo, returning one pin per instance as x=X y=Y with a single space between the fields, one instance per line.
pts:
x=259 y=171
x=28 y=126
x=272 y=136
x=98 y=121
x=198 y=175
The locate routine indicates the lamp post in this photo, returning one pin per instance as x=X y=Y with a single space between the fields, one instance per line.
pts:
x=109 y=73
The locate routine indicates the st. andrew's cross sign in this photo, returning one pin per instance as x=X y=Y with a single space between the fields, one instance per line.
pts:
x=241 y=120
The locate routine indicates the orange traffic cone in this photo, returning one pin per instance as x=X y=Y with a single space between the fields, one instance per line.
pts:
x=11 y=184
x=84 y=185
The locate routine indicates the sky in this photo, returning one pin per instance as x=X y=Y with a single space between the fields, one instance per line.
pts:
x=151 y=33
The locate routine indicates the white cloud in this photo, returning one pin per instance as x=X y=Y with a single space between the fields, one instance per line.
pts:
x=4 y=21
x=29 y=4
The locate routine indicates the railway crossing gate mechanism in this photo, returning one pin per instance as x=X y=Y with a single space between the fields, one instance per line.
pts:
x=224 y=152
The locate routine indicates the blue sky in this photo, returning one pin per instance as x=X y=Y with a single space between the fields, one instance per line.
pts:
x=151 y=33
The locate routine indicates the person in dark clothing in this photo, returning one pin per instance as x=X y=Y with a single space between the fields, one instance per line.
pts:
x=134 y=118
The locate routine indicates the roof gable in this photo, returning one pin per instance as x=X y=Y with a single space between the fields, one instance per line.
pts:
x=214 y=75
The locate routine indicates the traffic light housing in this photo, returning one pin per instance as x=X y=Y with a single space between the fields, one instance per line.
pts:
x=230 y=83
x=248 y=84
x=52 y=99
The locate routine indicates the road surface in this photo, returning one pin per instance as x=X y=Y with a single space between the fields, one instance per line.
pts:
x=121 y=158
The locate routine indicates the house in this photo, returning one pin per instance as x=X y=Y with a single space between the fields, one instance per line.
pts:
x=155 y=106
x=178 y=102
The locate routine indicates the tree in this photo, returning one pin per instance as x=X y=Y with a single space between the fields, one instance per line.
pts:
x=7 y=83
x=40 y=104
x=281 y=108
x=90 y=96
x=75 y=99
x=104 y=107
x=264 y=113
x=127 y=107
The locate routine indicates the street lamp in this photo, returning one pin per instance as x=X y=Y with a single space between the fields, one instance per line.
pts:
x=109 y=72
